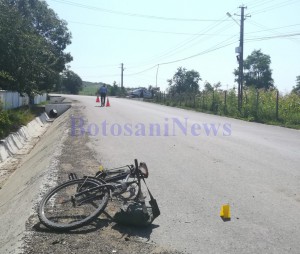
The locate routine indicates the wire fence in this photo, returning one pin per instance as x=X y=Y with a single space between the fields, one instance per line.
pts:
x=258 y=105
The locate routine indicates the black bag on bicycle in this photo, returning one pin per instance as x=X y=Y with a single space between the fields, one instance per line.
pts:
x=137 y=213
x=154 y=206
x=152 y=202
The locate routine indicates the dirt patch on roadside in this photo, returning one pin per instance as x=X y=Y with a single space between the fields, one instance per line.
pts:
x=101 y=236
x=7 y=168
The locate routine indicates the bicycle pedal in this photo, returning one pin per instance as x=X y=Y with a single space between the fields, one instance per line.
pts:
x=73 y=176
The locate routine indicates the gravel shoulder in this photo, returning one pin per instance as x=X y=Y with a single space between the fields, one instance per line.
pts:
x=103 y=235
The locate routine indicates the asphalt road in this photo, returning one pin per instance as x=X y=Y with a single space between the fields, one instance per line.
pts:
x=197 y=163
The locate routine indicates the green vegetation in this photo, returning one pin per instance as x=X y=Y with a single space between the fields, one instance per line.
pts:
x=184 y=81
x=32 y=47
x=296 y=89
x=90 y=88
x=12 y=120
x=261 y=101
x=257 y=71
x=258 y=105
x=70 y=82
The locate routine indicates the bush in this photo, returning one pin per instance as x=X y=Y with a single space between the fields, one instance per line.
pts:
x=5 y=124
x=12 y=120
x=289 y=109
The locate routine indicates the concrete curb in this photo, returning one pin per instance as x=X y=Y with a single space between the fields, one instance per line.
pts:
x=12 y=144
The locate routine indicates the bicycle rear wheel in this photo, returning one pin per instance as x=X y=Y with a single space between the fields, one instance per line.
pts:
x=60 y=209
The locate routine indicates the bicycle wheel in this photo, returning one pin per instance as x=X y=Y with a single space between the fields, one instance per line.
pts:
x=60 y=209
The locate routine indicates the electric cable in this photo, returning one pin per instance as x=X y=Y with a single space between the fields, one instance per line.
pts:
x=94 y=8
x=143 y=30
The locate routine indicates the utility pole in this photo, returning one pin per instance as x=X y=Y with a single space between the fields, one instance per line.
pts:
x=156 y=75
x=122 y=70
x=241 y=58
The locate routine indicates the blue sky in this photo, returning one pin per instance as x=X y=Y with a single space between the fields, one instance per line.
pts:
x=142 y=34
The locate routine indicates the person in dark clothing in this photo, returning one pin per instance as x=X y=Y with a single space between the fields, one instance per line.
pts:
x=103 y=93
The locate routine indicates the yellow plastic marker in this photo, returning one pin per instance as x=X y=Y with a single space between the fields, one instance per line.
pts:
x=101 y=168
x=225 y=212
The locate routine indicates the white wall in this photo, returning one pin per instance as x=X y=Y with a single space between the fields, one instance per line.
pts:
x=9 y=100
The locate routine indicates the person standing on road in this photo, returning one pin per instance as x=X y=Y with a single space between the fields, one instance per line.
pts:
x=103 y=93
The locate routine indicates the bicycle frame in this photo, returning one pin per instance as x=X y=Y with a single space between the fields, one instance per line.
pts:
x=77 y=202
x=110 y=182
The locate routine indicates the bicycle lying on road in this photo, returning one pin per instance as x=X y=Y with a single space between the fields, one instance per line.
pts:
x=78 y=202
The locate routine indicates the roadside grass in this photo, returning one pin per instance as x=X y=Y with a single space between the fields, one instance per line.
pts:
x=292 y=121
x=11 y=120
x=89 y=90
x=258 y=106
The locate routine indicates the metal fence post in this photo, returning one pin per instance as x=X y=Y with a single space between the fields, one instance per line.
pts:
x=277 y=102
x=225 y=103
x=257 y=97
x=179 y=99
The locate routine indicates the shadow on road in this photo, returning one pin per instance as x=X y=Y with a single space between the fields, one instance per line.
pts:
x=98 y=224
x=143 y=232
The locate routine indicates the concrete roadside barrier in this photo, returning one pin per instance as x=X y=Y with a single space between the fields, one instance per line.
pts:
x=16 y=142
x=12 y=144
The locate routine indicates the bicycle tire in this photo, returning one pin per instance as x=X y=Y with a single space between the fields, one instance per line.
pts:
x=59 y=209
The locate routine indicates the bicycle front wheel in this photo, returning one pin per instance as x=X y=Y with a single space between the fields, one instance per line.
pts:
x=73 y=204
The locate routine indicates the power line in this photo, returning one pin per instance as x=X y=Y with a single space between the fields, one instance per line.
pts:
x=136 y=73
x=185 y=58
x=168 y=53
x=271 y=29
x=201 y=53
x=188 y=41
x=216 y=47
x=102 y=76
x=97 y=66
x=274 y=6
x=174 y=50
x=94 y=8
x=258 y=3
x=197 y=43
x=273 y=37
x=142 y=30
x=272 y=33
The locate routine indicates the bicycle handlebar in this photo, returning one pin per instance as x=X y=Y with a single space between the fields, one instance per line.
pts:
x=136 y=164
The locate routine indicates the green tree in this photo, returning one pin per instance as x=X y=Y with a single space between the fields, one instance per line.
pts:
x=71 y=82
x=257 y=71
x=32 y=44
x=296 y=89
x=184 y=81
x=208 y=87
